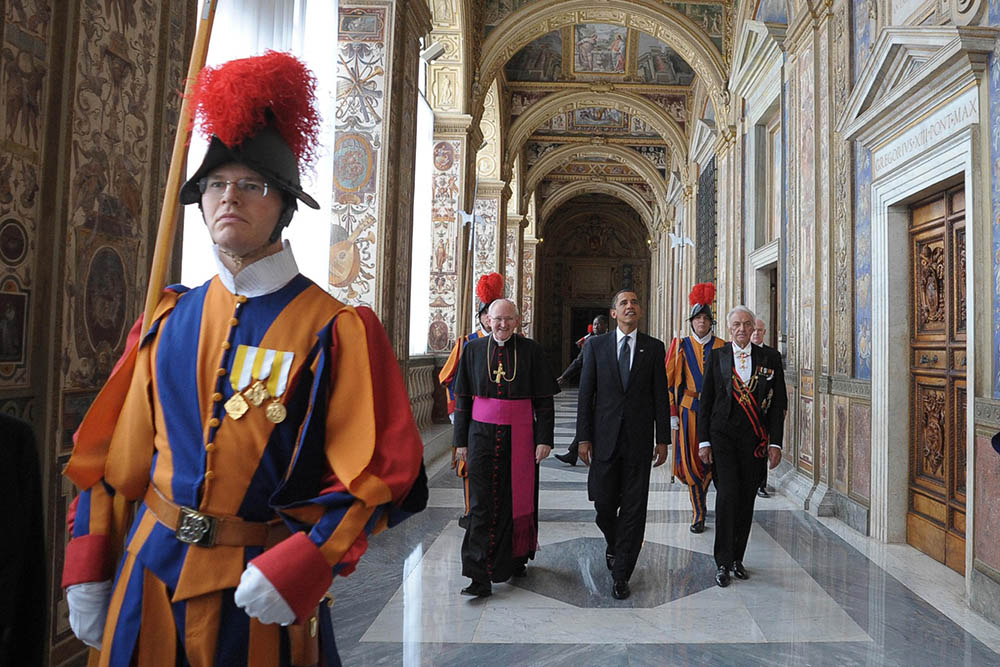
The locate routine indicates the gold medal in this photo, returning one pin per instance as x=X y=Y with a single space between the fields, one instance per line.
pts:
x=276 y=412
x=236 y=406
x=257 y=393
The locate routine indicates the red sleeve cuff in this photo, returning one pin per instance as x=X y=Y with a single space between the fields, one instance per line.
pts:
x=300 y=573
x=87 y=559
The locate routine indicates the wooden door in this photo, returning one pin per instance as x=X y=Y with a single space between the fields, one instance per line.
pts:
x=936 y=510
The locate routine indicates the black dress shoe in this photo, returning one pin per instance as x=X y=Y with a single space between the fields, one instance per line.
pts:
x=762 y=493
x=722 y=576
x=739 y=571
x=568 y=457
x=620 y=590
x=520 y=571
x=609 y=559
x=478 y=589
x=698 y=526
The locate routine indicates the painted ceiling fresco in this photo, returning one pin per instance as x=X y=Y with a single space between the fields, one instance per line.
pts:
x=596 y=166
x=658 y=155
x=659 y=64
x=539 y=61
x=591 y=121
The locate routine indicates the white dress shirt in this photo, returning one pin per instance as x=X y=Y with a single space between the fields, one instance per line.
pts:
x=631 y=345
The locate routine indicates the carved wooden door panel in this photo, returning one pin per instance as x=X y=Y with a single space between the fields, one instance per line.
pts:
x=935 y=521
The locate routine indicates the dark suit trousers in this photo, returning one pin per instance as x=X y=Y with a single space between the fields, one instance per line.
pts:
x=620 y=490
x=738 y=474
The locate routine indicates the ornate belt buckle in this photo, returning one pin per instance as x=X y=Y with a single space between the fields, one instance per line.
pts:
x=196 y=528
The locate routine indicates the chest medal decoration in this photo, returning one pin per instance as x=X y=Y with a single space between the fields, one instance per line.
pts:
x=259 y=378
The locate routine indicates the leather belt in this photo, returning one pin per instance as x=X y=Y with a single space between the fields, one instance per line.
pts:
x=689 y=398
x=206 y=530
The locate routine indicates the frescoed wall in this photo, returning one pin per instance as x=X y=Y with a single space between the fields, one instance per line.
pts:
x=441 y=331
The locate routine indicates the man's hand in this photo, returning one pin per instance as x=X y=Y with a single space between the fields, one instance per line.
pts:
x=773 y=457
x=659 y=455
x=705 y=454
x=88 y=608
x=584 y=451
x=461 y=453
x=541 y=452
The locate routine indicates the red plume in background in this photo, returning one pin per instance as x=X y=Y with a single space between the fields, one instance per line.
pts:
x=702 y=293
x=590 y=328
x=490 y=287
x=232 y=101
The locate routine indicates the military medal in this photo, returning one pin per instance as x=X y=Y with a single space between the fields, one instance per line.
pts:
x=257 y=393
x=276 y=412
x=236 y=406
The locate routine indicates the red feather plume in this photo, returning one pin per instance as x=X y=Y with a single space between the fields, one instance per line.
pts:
x=231 y=101
x=490 y=287
x=590 y=328
x=702 y=293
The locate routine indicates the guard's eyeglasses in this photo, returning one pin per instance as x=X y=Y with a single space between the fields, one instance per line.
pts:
x=216 y=187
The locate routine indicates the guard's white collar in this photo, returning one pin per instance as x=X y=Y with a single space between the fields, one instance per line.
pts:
x=266 y=275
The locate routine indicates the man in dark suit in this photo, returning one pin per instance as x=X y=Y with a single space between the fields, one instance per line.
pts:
x=623 y=395
x=740 y=423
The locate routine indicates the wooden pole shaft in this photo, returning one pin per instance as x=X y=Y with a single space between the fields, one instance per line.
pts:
x=168 y=212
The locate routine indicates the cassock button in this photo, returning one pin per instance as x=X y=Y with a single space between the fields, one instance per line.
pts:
x=210 y=447
x=213 y=422
x=241 y=299
x=233 y=321
x=216 y=397
x=209 y=474
x=220 y=372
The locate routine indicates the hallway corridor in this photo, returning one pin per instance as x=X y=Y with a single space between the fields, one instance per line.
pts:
x=813 y=598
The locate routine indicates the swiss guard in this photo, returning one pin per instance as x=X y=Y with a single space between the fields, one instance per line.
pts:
x=685 y=374
x=260 y=430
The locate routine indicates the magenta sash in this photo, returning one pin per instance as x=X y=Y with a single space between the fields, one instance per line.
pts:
x=519 y=416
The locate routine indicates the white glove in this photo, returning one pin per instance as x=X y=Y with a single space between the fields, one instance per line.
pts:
x=260 y=599
x=675 y=423
x=88 y=610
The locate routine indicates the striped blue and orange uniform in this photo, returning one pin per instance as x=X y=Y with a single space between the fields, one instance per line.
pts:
x=685 y=376
x=336 y=469
x=447 y=378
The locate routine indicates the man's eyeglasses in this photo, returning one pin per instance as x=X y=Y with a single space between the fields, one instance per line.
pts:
x=216 y=187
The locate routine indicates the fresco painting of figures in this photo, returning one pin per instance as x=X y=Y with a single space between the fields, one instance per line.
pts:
x=599 y=48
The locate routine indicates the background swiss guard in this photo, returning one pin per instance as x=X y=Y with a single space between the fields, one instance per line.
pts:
x=504 y=425
x=685 y=375
x=489 y=288
x=262 y=426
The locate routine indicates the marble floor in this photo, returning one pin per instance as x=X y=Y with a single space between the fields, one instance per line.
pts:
x=818 y=593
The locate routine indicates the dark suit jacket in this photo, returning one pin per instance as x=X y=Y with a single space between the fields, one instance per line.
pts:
x=605 y=407
x=719 y=413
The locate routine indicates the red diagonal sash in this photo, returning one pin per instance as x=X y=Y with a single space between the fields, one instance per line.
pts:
x=748 y=402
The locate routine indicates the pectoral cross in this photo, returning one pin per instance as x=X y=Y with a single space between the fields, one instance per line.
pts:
x=498 y=373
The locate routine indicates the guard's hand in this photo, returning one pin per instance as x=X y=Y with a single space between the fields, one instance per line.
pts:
x=461 y=453
x=258 y=597
x=88 y=609
x=705 y=454
x=584 y=452
x=659 y=455
x=541 y=452
x=773 y=457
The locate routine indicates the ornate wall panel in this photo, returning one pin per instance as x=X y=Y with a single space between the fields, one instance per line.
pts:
x=807 y=208
x=512 y=257
x=860 y=474
x=805 y=433
x=528 y=264
x=486 y=238
x=994 y=86
x=706 y=224
x=840 y=442
x=987 y=515
x=823 y=205
x=364 y=52
x=843 y=233
x=448 y=163
x=865 y=24
x=789 y=276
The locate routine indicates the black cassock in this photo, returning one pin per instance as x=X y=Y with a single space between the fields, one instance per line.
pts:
x=487 y=547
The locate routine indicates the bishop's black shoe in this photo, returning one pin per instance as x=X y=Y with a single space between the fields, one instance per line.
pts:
x=520 y=571
x=620 y=589
x=698 y=527
x=739 y=571
x=478 y=589
x=722 y=576
x=609 y=559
